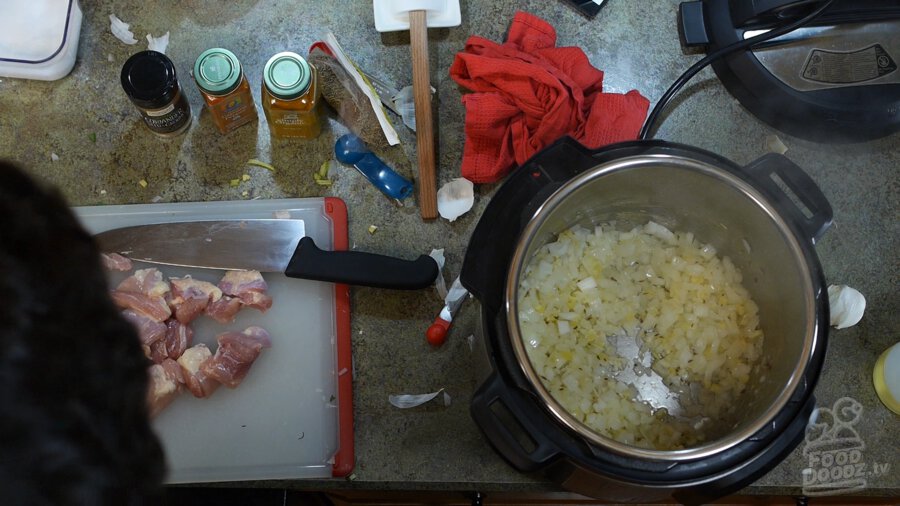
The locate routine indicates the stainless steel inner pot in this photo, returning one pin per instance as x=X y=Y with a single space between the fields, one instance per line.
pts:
x=721 y=209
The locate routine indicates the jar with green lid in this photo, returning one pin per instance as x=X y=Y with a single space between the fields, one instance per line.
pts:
x=290 y=96
x=225 y=89
x=150 y=81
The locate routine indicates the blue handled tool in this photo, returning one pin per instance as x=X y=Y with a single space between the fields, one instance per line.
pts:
x=351 y=150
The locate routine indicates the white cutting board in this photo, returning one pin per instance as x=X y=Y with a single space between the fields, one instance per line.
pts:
x=282 y=422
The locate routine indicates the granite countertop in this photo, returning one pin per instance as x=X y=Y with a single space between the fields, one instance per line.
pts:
x=104 y=151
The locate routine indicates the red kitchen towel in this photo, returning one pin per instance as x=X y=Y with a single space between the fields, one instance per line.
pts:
x=528 y=93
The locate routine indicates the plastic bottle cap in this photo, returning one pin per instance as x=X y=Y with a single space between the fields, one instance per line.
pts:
x=287 y=75
x=149 y=79
x=217 y=71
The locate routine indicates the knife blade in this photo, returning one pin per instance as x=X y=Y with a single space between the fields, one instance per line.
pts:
x=266 y=245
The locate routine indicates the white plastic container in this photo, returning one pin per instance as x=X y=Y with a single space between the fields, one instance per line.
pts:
x=39 y=38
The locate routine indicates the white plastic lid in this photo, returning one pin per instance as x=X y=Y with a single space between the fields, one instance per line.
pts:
x=39 y=38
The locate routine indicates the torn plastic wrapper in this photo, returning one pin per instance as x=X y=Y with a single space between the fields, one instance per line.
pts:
x=406 y=401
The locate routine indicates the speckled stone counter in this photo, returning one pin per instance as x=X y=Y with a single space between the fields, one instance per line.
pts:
x=104 y=152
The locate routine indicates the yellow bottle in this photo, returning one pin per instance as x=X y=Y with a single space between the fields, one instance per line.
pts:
x=290 y=97
x=886 y=377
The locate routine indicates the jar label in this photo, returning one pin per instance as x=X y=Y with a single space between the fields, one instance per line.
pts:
x=175 y=117
x=160 y=112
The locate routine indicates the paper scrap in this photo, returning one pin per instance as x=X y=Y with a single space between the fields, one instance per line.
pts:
x=121 y=30
x=54 y=157
x=405 y=401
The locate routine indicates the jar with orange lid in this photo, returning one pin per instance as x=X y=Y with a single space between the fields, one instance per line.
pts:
x=290 y=97
x=225 y=89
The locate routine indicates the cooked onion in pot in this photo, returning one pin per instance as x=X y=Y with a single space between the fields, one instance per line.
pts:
x=646 y=336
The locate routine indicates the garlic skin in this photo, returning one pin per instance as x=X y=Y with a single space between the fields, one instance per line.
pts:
x=158 y=44
x=439 y=284
x=847 y=306
x=121 y=30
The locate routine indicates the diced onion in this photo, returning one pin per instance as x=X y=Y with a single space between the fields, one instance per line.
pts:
x=698 y=324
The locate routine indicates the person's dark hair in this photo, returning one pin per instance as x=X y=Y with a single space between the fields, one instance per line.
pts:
x=74 y=427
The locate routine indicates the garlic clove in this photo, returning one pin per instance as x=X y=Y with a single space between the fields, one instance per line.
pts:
x=455 y=198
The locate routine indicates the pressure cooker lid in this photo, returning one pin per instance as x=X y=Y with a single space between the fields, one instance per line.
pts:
x=837 y=79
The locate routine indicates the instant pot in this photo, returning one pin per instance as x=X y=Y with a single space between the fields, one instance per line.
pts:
x=836 y=79
x=765 y=216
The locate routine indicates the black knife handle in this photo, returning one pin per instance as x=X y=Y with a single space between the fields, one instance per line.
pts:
x=360 y=269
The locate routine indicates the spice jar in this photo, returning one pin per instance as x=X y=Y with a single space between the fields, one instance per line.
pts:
x=149 y=80
x=225 y=89
x=290 y=96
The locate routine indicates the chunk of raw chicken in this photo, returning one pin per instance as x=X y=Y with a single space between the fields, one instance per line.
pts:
x=238 y=282
x=190 y=297
x=165 y=384
x=249 y=287
x=153 y=307
x=149 y=330
x=191 y=362
x=236 y=353
x=158 y=351
x=178 y=338
x=144 y=292
x=116 y=262
x=256 y=300
x=225 y=309
x=146 y=281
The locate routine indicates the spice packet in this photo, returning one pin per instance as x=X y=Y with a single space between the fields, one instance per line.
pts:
x=359 y=95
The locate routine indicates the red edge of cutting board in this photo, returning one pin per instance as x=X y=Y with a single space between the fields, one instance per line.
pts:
x=336 y=209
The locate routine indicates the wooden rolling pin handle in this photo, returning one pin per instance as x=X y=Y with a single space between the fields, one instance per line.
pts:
x=418 y=37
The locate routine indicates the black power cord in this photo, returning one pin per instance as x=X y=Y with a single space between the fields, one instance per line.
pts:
x=718 y=54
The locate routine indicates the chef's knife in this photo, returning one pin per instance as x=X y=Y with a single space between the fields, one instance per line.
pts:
x=265 y=245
